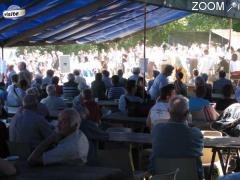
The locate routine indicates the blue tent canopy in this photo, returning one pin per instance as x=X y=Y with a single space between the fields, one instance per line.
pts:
x=79 y=21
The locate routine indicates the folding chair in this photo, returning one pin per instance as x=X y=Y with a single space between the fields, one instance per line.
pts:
x=116 y=158
x=168 y=176
x=187 y=167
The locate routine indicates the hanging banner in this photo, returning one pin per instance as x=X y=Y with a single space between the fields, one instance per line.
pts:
x=143 y=65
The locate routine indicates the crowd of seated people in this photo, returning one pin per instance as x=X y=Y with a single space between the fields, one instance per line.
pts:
x=43 y=98
x=134 y=89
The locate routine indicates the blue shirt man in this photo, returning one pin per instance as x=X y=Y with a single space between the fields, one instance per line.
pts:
x=175 y=139
x=221 y=82
x=53 y=103
x=160 y=81
x=197 y=103
x=27 y=126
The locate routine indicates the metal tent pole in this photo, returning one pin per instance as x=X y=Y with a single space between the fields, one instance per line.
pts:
x=2 y=52
x=230 y=33
x=229 y=43
x=210 y=38
x=2 y=66
x=144 y=48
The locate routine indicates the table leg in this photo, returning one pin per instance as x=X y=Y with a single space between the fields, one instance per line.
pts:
x=227 y=160
x=221 y=162
x=212 y=163
x=131 y=158
x=238 y=153
x=140 y=149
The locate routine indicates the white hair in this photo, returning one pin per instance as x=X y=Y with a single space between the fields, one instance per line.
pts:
x=73 y=116
x=178 y=107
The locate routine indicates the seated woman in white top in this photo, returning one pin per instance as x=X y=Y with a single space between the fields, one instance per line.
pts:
x=130 y=96
x=159 y=112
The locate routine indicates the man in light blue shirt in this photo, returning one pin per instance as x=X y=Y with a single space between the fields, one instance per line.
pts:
x=54 y=103
x=130 y=96
x=160 y=81
x=48 y=79
x=135 y=76
x=28 y=126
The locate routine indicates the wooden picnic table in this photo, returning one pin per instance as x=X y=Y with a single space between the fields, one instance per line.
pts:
x=107 y=103
x=119 y=117
x=145 y=138
x=220 y=96
x=217 y=144
x=65 y=172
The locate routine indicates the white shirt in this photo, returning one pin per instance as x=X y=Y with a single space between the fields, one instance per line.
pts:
x=159 y=113
x=73 y=147
x=234 y=66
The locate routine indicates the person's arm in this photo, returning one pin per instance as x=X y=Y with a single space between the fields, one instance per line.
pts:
x=44 y=128
x=122 y=104
x=148 y=123
x=7 y=168
x=36 y=157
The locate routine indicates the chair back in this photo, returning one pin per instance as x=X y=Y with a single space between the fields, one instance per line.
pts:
x=22 y=150
x=168 y=176
x=187 y=167
x=115 y=158
x=198 y=116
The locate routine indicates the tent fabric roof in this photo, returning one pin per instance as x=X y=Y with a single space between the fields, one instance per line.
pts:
x=79 y=21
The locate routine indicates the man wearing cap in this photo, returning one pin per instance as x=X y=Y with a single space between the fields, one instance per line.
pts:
x=160 y=81
x=176 y=139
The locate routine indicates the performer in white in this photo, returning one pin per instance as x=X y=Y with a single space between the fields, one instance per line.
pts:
x=205 y=63
x=235 y=64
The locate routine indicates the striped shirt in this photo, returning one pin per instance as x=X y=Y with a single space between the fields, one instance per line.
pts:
x=115 y=92
x=70 y=90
